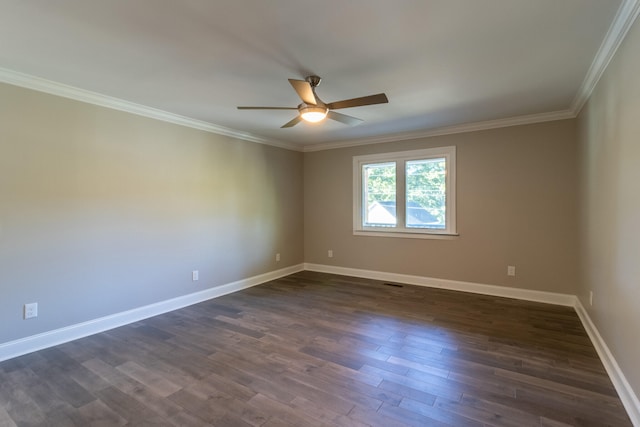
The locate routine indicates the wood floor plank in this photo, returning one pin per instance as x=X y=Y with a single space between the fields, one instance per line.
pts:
x=245 y=412
x=567 y=408
x=16 y=402
x=329 y=356
x=64 y=386
x=558 y=387
x=39 y=391
x=501 y=414
x=408 y=392
x=5 y=419
x=546 y=422
x=374 y=419
x=449 y=391
x=333 y=397
x=158 y=384
x=317 y=411
x=183 y=419
x=350 y=386
x=97 y=413
x=481 y=416
x=410 y=417
x=282 y=411
x=67 y=416
x=130 y=409
x=215 y=383
x=437 y=413
x=209 y=410
x=315 y=349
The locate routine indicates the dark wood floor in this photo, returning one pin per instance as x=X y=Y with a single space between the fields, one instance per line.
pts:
x=316 y=349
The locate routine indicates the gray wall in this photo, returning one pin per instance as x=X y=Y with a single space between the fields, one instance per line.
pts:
x=103 y=211
x=610 y=212
x=517 y=205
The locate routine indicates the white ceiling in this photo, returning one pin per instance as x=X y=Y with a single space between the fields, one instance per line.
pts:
x=442 y=63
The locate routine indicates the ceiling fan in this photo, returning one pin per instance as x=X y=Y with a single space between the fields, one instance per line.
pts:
x=313 y=109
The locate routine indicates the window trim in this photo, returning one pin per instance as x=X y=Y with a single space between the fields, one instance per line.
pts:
x=400 y=158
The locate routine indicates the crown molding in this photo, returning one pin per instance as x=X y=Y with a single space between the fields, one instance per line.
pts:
x=39 y=84
x=448 y=130
x=625 y=17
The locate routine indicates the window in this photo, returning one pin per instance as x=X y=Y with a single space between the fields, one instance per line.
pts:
x=405 y=194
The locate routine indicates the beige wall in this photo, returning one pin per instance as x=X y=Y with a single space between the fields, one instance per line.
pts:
x=517 y=205
x=103 y=211
x=609 y=134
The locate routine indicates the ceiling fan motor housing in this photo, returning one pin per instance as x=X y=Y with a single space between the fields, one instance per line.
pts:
x=313 y=80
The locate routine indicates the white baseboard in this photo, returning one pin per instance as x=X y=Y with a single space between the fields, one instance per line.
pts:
x=33 y=343
x=454 y=285
x=626 y=393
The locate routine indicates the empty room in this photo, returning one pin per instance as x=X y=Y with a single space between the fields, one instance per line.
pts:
x=338 y=213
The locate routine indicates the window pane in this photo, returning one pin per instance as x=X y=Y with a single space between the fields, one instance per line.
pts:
x=379 y=198
x=426 y=193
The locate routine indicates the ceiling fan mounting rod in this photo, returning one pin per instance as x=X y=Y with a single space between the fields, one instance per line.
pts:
x=313 y=80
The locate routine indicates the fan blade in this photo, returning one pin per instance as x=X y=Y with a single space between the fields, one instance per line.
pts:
x=292 y=123
x=267 y=108
x=379 y=98
x=304 y=90
x=343 y=118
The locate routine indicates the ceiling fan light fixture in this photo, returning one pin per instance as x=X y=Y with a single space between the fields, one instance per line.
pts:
x=313 y=114
x=313 y=110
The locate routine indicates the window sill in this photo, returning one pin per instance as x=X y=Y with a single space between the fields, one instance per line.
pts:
x=407 y=235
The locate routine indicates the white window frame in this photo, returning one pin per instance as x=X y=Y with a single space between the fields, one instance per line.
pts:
x=401 y=230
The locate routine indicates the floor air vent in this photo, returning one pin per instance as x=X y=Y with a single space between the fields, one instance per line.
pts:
x=393 y=284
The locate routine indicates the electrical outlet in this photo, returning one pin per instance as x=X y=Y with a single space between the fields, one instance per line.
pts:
x=31 y=310
x=330 y=253
x=591 y=298
x=195 y=275
x=511 y=270
x=277 y=257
